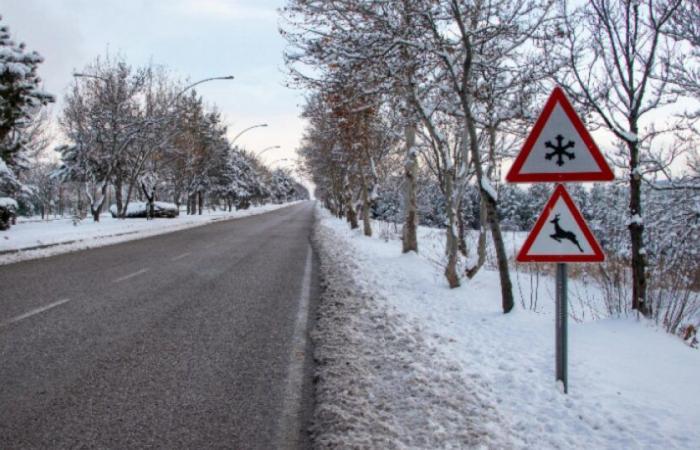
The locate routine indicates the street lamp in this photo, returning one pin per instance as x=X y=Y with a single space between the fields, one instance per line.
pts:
x=227 y=77
x=257 y=155
x=284 y=160
x=87 y=75
x=247 y=129
x=174 y=99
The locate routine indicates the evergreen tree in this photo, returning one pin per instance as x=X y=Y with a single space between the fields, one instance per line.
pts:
x=20 y=99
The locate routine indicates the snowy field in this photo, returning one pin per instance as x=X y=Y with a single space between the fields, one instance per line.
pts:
x=32 y=238
x=405 y=362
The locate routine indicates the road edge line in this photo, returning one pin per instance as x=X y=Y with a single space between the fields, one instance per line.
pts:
x=289 y=431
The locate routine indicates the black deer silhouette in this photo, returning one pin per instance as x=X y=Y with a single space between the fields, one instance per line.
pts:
x=560 y=233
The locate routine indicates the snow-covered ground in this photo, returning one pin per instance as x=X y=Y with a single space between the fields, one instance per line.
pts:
x=405 y=362
x=32 y=238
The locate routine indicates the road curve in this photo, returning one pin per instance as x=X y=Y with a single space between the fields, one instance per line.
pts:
x=193 y=339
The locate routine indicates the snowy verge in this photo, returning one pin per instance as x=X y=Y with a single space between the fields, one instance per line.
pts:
x=32 y=239
x=379 y=382
x=393 y=340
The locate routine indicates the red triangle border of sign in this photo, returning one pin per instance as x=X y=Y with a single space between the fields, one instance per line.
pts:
x=560 y=191
x=558 y=96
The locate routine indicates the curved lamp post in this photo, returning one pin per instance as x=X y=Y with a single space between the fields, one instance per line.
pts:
x=176 y=97
x=227 y=77
x=272 y=147
x=247 y=129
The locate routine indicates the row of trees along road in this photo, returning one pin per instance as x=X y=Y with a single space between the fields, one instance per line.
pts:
x=130 y=133
x=447 y=89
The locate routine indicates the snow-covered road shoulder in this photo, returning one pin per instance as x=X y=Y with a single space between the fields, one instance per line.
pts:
x=379 y=383
x=38 y=239
x=405 y=362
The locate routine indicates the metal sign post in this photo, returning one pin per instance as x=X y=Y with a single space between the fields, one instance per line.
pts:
x=561 y=326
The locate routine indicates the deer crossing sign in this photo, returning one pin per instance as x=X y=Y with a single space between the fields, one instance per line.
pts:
x=560 y=234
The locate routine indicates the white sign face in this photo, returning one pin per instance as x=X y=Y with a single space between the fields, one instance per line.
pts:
x=559 y=148
x=560 y=234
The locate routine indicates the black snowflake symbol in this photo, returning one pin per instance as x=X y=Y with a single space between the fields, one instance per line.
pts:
x=559 y=150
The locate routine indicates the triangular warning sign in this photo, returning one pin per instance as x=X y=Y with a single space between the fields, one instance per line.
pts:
x=559 y=148
x=561 y=234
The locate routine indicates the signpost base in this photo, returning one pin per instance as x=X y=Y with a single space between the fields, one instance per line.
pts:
x=561 y=322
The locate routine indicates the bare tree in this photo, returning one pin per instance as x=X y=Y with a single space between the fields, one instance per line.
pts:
x=614 y=51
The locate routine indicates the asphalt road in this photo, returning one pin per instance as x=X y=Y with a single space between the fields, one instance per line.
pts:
x=193 y=339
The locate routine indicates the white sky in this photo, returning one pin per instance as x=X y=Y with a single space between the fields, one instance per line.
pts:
x=194 y=38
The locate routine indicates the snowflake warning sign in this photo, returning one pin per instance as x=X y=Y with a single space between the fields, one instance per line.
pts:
x=561 y=234
x=559 y=148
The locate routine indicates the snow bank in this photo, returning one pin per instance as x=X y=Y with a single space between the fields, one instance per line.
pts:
x=32 y=239
x=631 y=385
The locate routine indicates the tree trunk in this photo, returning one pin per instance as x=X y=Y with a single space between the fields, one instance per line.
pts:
x=461 y=231
x=352 y=217
x=80 y=203
x=636 y=229
x=121 y=209
x=200 y=201
x=410 y=224
x=367 y=226
x=176 y=199
x=61 y=205
x=501 y=256
x=451 y=245
x=150 y=197
x=481 y=246
x=128 y=196
x=351 y=213
x=491 y=213
x=95 y=210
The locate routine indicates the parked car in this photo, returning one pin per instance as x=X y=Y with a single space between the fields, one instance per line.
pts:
x=139 y=209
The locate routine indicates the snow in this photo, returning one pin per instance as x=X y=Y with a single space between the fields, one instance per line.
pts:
x=636 y=219
x=488 y=188
x=7 y=202
x=629 y=136
x=31 y=239
x=4 y=170
x=631 y=385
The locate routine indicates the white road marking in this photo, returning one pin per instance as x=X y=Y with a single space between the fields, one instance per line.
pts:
x=179 y=257
x=35 y=311
x=131 y=275
x=290 y=421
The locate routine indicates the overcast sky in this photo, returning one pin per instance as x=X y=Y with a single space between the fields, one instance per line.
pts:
x=195 y=38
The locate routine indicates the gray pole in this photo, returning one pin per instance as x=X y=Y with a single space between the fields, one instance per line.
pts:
x=561 y=334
